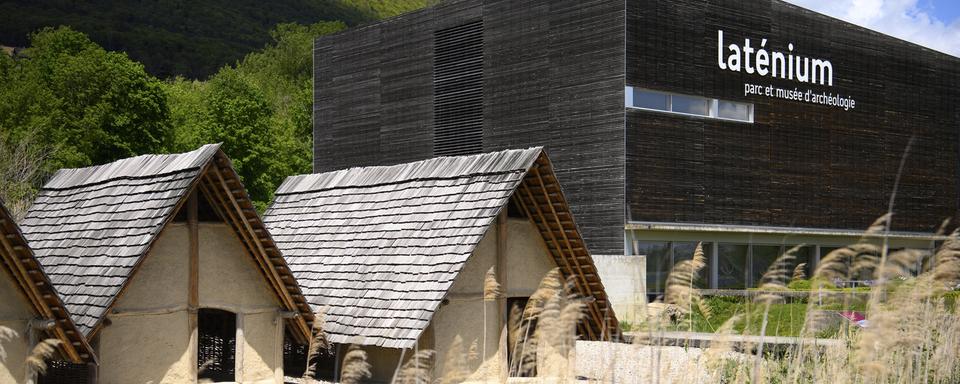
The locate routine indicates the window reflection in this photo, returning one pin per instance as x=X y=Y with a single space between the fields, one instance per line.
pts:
x=691 y=105
x=732 y=266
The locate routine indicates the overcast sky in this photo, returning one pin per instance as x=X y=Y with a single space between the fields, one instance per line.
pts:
x=933 y=23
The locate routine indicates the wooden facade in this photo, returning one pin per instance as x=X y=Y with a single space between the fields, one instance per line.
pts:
x=798 y=164
x=554 y=76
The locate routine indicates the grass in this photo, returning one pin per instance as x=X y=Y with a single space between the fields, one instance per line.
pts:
x=784 y=319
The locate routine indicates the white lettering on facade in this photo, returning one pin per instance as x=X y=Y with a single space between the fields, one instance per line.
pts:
x=758 y=60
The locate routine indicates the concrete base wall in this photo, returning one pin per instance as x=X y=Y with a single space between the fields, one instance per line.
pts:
x=624 y=278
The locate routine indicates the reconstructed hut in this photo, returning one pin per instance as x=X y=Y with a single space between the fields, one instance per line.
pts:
x=31 y=312
x=396 y=256
x=167 y=270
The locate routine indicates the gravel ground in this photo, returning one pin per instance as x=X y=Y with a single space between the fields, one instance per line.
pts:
x=626 y=363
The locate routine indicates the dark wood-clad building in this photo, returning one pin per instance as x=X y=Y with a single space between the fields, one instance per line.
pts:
x=749 y=125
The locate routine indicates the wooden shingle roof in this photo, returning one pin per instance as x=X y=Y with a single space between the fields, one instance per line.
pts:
x=91 y=227
x=21 y=266
x=378 y=247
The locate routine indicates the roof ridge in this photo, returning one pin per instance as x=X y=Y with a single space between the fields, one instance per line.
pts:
x=403 y=181
x=132 y=168
x=437 y=168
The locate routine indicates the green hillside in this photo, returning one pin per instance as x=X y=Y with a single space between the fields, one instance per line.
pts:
x=191 y=38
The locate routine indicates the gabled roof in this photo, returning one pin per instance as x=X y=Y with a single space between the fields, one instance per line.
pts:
x=91 y=227
x=379 y=247
x=20 y=265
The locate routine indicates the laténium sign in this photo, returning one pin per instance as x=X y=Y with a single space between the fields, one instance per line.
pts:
x=765 y=61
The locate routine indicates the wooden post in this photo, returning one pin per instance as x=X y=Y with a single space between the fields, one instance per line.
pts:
x=193 y=296
x=239 y=342
x=92 y=373
x=502 y=311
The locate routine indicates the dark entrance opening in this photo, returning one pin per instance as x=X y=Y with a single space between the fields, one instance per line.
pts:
x=521 y=355
x=216 y=345
x=65 y=372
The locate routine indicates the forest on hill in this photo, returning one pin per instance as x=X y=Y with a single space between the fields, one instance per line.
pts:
x=67 y=102
x=190 y=38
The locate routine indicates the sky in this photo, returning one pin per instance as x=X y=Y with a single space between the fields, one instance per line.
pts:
x=932 y=23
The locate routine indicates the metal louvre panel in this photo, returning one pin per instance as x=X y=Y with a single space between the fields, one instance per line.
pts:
x=458 y=90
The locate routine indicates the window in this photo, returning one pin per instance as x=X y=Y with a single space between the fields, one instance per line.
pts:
x=732 y=266
x=735 y=111
x=216 y=347
x=662 y=256
x=688 y=105
x=691 y=105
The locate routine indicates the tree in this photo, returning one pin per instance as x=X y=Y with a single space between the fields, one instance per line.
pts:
x=261 y=110
x=89 y=105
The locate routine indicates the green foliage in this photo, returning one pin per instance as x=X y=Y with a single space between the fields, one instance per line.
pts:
x=799 y=285
x=260 y=110
x=89 y=105
x=67 y=102
x=188 y=38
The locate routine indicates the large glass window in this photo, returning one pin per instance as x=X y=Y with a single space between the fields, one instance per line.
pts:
x=658 y=263
x=763 y=258
x=732 y=266
x=684 y=251
x=688 y=105
x=663 y=255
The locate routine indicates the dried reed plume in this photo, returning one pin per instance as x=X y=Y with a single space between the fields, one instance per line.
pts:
x=524 y=346
x=455 y=363
x=680 y=288
x=946 y=262
x=37 y=360
x=318 y=344
x=491 y=288
x=777 y=275
x=6 y=334
x=418 y=369
x=355 y=366
x=491 y=292
x=799 y=272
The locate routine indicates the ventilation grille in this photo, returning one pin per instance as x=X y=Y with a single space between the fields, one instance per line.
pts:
x=458 y=90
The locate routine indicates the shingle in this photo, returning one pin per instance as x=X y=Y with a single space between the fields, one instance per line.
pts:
x=90 y=226
x=378 y=247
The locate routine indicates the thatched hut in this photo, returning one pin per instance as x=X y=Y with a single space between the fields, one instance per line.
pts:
x=32 y=312
x=396 y=256
x=166 y=269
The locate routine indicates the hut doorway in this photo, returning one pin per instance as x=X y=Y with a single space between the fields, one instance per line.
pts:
x=521 y=358
x=216 y=345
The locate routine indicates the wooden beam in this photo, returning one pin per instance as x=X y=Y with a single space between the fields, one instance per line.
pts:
x=193 y=299
x=193 y=279
x=559 y=259
x=566 y=239
x=269 y=270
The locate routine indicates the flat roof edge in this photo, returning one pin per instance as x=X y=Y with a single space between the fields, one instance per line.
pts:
x=699 y=227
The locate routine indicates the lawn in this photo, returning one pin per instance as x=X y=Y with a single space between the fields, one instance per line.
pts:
x=783 y=319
